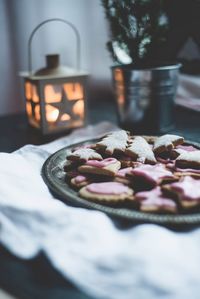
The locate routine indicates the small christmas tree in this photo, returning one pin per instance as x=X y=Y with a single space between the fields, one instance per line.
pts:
x=139 y=28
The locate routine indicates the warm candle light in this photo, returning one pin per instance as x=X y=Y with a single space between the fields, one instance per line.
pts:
x=29 y=109
x=120 y=85
x=51 y=113
x=35 y=96
x=79 y=108
x=52 y=93
x=28 y=91
x=37 y=113
x=74 y=91
x=65 y=117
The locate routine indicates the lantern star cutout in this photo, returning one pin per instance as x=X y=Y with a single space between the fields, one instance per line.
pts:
x=65 y=106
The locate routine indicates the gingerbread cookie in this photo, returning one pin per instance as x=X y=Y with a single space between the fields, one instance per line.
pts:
x=80 y=181
x=166 y=143
x=107 y=167
x=151 y=175
x=141 y=151
x=84 y=154
x=114 y=142
x=187 y=191
x=120 y=135
x=154 y=201
x=107 y=192
x=188 y=160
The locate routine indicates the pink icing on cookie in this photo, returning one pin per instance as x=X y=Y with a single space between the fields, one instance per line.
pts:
x=152 y=173
x=102 y=163
x=154 y=198
x=122 y=172
x=80 y=178
x=111 y=188
x=188 y=188
x=187 y=148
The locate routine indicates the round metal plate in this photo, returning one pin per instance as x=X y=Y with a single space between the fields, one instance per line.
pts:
x=54 y=177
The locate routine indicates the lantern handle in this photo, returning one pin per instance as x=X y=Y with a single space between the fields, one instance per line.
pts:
x=77 y=35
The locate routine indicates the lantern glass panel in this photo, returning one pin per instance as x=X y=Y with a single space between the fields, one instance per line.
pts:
x=52 y=93
x=32 y=103
x=74 y=91
x=64 y=105
x=29 y=109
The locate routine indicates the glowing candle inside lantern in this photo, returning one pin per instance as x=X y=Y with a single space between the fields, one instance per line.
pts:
x=51 y=114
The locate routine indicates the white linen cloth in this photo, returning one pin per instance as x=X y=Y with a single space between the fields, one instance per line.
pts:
x=85 y=246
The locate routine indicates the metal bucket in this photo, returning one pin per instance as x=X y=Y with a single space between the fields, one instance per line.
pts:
x=145 y=97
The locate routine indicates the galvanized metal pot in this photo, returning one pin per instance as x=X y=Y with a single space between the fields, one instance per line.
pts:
x=145 y=97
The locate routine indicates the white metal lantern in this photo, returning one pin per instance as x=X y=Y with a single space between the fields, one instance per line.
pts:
x=55 y=95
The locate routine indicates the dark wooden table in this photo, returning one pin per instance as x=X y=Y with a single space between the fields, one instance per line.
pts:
x=36 y=279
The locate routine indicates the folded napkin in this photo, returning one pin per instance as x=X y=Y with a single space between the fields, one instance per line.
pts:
x=85 y=246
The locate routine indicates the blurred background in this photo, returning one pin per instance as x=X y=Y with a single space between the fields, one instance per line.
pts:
x=19 y=18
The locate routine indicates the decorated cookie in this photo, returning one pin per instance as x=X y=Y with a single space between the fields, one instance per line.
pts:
x=84 y=154
x=187 y=191
x=152 y=175
x=120 y=135
x=80 y=181
x=107 y=192
x=114 y=142
x=166 y=143
x=182 y=149
x=141 y=151
x=107 y=167
x=188 y=160
x=154 y=201
x=83 y=146
x=121 y=175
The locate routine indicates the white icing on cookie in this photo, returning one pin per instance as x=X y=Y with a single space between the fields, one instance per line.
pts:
x=166 y=140
x=190 y=156
x=114 y=141
x=122 y=135
x=112 y=144
x=85 y=154
x=141 y=149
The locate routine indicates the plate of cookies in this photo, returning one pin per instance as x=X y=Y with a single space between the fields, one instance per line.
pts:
x=140 y=178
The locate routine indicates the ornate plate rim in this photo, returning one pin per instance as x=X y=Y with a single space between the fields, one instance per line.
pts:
x=70 y=196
